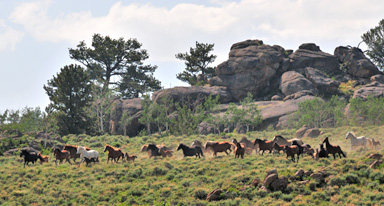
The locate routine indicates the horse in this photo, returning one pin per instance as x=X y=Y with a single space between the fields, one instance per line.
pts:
x=72 y=149
x=61 y=155
x=376 y=144
x=282 y=141
x=153 y=150
x=198 y=143
x=144 y=148
x=323 y=153
x=87 y=154
x=301 y=149
x=130 y=157
x=113 y=153
x=42 y=158
x=188 y=151
x=218 y=147
x=239 y=151
x=277 y=148
x=291 y=151
x=234 y=142
x=28 y=156
x=333 y=149
x=88 y=161
x=165 y=153
x=249 y=146
x=357 y=141
x=264 y=145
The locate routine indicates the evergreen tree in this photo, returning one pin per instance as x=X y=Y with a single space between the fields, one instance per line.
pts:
x=374 y=38
x=69 y=93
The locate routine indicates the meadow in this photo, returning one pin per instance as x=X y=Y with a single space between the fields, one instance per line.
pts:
x=187 y=181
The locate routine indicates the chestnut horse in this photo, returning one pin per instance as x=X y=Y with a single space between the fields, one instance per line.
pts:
x=264 y=145
x=333 y=149
x=61 y=155
x=291 y=151
x=72 y=149
x=218 y=147
x=165 y=153
x=42 y=158
x=113 y=153
x=28 y=156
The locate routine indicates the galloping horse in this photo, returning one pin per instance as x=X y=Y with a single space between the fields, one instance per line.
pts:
x=87 y=154
x=278 y=148
x=72 y=149
x=282 y=141
x=144 y=148
x=264 y=145
x=61 y=155
x=239 y=151
x=114 y=153
x=28 y=156
x=218 y=147
x=291 y=151
x=153 y=150
x=42 y=158
x=188 y=151
x=249 y=146
x=358 y=141
x=333 y=149
x=166 y=153
x=130 y=157
x=198 y=143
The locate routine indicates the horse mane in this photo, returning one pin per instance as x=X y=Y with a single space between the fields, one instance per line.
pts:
x=279 y=136
x=70 y=145
x=352 y=133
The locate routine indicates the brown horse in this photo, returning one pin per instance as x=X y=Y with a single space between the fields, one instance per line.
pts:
x=72 y=149
x=144 y=148
x=218 y=147
x=113 y=153
x=249 y=146
x=376 y=144
x=291 y=151
x=234 y=142
x=42 y=158
x=264 y=145
x=130 y=158
x=333 y=149
x=61 y=155
x=277 y=148
x=239 y=151
x=165 y=153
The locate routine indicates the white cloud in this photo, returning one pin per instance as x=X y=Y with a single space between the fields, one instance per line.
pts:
x=9 y=37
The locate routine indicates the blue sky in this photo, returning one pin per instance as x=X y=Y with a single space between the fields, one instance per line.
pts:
x=35 y=35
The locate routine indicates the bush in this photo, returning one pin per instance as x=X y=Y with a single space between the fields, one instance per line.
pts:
x=365 y=111
x=377 y=176
x=200 y=194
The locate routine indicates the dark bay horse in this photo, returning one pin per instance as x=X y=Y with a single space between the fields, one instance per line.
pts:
x=28 y=156
x=264 y=145
x=218 y=147
x=291 y=151
x=188 y=151
x=61 y=155
x=333 y=149
x=153 y=149
x=239 y=151
x=72 y=149
x=113 y=153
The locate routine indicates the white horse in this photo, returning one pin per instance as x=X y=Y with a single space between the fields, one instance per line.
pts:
x=86 y=154
x=358 y=141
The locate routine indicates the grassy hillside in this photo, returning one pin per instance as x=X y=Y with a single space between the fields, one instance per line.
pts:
x=187 y=181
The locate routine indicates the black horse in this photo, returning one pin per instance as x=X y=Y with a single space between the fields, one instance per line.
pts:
x=29 y=157
x=323 y=153
x=154 y=150
x=301 y=149
x=188 y=151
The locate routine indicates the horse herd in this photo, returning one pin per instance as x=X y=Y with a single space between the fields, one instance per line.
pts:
x=293 y=148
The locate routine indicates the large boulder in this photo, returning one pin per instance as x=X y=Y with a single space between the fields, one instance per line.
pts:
x=356 y=63
x=133 y=108
x=193 y=95
x=321 y=82
x=292 y=82
x=279 y=184
x=377 y=78
x=310 y=55
x=252 y=67
x=374 y=89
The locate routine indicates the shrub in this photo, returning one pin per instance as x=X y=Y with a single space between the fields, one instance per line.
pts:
x=377 y=176
x=365 y=111
x=200 y=194
x=338 y=181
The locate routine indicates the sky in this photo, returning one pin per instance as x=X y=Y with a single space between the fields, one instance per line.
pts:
x=35 y=35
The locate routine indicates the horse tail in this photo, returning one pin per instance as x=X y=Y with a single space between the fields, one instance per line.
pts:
x=341 y=151
x=200 y=151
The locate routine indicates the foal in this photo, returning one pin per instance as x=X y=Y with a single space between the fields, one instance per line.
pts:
x=239 y=151
x=42 y=158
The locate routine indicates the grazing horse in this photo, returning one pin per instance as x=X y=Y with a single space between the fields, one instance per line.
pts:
x=264 y=145
x=282 y=141
x=277 y=148
x=188 y=151
x=166 y=153
x=113 y=153
x=130 y=157
x=86 y=154
x=218 y=147
x=42 y=158
x=323 y=153
x=28 y=156
x=61 y=155
x=357 y=141
x=376 y=144
x=249 y=146
x=333 y=149
x=239 y=151
x=291 y=151
x=72 y=149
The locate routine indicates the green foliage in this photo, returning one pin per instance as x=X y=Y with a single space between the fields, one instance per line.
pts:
x=197 y=61
x=69 y=93
x=374 y=39
x=366 y=111
x=319 y=113
x=121 y=58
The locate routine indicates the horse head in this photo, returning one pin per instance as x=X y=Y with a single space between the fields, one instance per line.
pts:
x=79 y=149
x=105 y=148
x=325 y=140
x=181 y=146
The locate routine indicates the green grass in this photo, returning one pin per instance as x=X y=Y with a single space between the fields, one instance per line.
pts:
x=187 y=181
